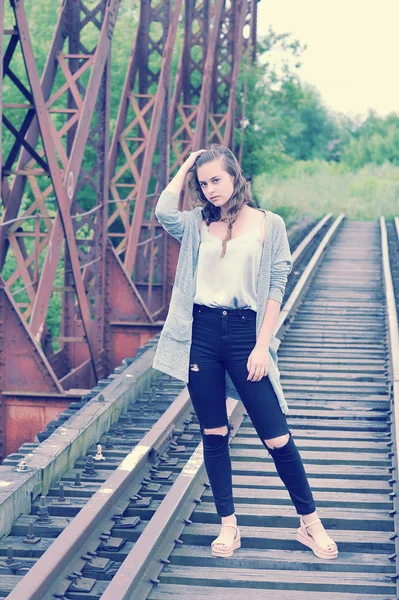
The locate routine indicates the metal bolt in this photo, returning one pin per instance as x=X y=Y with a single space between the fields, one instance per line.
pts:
x=42 y=513
x=30 y=536
x=61 y=493
x=22 y=466
x=89 y=470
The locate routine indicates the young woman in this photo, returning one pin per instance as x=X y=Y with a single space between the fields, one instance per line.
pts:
x=218 y=336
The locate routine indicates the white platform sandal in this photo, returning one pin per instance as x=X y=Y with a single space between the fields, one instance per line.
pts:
x=329 y=551
x=225 y=550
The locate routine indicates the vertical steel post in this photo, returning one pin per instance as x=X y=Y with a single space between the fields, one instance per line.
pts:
x=1 y=81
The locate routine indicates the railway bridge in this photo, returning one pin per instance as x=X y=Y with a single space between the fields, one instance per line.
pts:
x=109 y=497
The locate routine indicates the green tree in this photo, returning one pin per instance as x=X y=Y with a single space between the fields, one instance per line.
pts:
x=285 y=120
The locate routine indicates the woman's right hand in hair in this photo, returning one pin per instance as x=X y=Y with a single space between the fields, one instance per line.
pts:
x=189 y=162
x=176 y=184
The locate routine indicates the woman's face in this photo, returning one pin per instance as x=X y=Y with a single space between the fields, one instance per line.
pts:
x=217 y=185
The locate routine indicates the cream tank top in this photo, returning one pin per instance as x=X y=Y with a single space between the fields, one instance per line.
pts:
x=228 y=282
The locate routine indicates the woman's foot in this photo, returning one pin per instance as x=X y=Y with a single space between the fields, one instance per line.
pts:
x=229 y=538
x=312 y=533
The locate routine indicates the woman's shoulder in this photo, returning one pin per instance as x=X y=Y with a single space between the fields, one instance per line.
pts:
x=275 y=218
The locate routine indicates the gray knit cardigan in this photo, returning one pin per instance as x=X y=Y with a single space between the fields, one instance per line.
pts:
x=173 y=349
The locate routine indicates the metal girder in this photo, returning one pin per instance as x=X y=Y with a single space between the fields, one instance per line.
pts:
x=138 y=171
x=23 y=365
x=160 y=106
x=188 y=85
x=85 y=251
x=56 y=171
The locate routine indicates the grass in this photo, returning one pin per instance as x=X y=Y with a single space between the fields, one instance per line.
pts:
x=316 y=188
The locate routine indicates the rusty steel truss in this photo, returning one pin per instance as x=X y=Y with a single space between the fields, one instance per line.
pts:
x=86 y=269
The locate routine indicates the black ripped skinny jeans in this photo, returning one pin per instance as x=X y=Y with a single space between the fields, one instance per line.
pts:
x=223 y=339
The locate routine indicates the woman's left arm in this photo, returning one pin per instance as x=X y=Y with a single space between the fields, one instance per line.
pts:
x=258 y=361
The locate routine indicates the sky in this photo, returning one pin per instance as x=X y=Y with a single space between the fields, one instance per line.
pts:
x=352 y=54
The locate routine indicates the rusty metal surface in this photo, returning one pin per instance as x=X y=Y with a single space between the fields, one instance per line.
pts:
x=58 y=173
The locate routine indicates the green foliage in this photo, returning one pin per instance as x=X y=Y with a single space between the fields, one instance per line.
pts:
x=285 y=120
x=374 y=141
x=319 y=187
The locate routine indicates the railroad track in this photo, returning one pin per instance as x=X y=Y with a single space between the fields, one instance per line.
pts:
x=154 y=515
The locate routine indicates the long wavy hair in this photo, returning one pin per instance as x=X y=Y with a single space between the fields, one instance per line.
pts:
x=241 y=195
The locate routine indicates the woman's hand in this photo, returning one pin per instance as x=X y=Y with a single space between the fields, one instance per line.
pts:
x=258 y=364
x=189 y=162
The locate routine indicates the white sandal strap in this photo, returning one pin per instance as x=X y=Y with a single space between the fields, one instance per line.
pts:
x=225 y=543
x=311 y=523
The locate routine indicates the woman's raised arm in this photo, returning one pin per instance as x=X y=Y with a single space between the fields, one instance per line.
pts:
x=166 y=210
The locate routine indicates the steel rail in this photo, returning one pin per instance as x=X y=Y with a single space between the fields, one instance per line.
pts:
x=288 y=310
x=393 y=338
x=51 y=567
x=137 y=570
x=70 y=542
x=142 y=558
x=308 y=238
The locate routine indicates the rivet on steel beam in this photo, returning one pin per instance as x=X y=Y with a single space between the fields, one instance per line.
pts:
x=391 y=481
x=392 y=512
x=390 y=443
x=393 y=536
x=164 y=561
x=207 y=485
x=197 y=500
x=154 y=580
x=86 y=557
x=187 y=521
x=178 y=541
x=391 y=468
x=117 y=517
x=394 y=577
x=390 y=454
x=392 y=557
x=392 y=494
